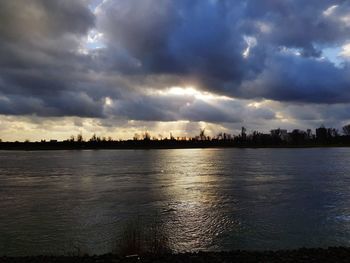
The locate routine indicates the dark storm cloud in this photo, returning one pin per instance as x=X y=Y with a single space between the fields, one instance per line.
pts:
x=191 y=38
x=243 y=49
x=204 y=41
x=39 y=66
x=292 y=78
x=298 y=23
x=69 y=104
x=21 y=19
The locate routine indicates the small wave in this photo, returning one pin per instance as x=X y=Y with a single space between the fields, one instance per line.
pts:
x=345 y=218
x=169 y=210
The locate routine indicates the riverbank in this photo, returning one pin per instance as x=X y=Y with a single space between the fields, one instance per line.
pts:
x=148 y=145
x=333 y=254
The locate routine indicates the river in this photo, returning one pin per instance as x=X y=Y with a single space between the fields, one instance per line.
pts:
x=55 y=202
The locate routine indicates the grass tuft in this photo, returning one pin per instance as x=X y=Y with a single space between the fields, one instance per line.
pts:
x=140 y=238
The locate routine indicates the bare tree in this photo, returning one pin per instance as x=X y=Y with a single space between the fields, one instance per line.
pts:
x=202 y=134
x=243 y=133
x=93 y=138
x=136 y=137
x=219 y=136
x=146 y=136
x=80 y=138
x=346 y=129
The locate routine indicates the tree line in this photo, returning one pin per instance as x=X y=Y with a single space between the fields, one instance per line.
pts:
x=321 y=136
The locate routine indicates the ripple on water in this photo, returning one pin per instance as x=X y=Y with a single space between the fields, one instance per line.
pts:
x=206 y=199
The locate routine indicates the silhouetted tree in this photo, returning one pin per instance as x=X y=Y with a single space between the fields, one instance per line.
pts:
x=80 y=138
x=136 y=137
x=276 y=133
x=93 y=138
x=321 y=134
x=219 y=136
x=147 y=136
x=243 y=133
x=298 y=136
x=346 y=130
x=255 y=137
x=332 y=132
x=309 y=134
x=278 y=137
x=202 y=135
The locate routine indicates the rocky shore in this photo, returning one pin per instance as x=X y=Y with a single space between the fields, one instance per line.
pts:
x=333 y=254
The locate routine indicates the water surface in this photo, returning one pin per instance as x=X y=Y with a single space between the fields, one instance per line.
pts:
x=205 y=199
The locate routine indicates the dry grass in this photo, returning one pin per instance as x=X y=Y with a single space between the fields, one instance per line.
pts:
x=140 y=238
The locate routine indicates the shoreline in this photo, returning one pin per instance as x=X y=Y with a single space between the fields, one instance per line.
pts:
x=62 y=146
x=331 y=254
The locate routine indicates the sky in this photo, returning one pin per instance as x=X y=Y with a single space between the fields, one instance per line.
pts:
x=116 y=67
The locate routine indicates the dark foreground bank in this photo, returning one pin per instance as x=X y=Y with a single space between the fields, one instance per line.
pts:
x=165 y=144
x=334 y=254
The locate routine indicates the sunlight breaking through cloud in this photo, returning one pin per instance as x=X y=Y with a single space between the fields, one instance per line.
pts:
x=192 y=92
x=166 y=61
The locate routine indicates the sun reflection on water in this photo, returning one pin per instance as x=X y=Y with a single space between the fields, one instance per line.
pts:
x=195 y=215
